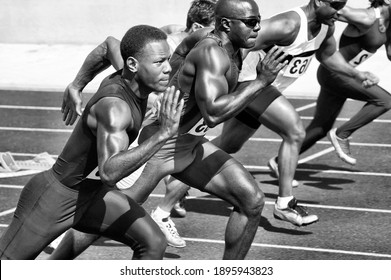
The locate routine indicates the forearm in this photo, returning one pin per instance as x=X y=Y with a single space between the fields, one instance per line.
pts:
x=337 y=63
x=95 y=62
x=229 y=105
x=362 y=18
x=126 y=162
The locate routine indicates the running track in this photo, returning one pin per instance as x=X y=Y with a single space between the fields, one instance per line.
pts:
x=353 y=203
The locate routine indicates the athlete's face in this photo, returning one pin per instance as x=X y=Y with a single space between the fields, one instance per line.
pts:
x=245 y=26
x=326 y=13
x=153 y=66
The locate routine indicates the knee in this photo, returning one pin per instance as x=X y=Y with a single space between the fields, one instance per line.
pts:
x=254 y=203
x=157 y=246
x=152 y=249
x=296 y=134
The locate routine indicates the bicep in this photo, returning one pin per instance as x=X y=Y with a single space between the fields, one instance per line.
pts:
x=111 y=124
x=211 y=82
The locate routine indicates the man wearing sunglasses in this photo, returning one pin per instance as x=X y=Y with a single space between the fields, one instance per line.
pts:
x=207 y=80
x=303 y=32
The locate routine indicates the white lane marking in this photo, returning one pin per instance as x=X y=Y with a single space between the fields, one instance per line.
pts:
x=28 y=129
x=30 y=107
x=6 y=212
x=299 y=248
x=316 y=155
x=305 y=107
x=343 y=208
x=361 y=173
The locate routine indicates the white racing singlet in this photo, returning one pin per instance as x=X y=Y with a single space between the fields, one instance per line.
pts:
x=302 y=51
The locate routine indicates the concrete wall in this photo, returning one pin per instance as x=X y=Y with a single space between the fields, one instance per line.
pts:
x=90 y=21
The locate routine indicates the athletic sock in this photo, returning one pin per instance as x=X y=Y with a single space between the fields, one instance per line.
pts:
x=282 y=202
x=160 y=213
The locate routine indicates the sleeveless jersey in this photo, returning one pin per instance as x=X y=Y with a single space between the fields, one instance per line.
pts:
x=79 y=156
x=301 y=52
x=356 y=50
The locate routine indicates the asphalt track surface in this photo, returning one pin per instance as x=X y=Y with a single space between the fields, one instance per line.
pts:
x=353 y=203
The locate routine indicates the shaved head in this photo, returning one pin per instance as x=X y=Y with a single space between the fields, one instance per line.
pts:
x=236 y=8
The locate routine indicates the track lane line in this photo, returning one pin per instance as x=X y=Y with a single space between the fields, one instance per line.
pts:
x=343 y=208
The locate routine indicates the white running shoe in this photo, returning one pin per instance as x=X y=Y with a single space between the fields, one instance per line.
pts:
x=341 y=146
x=295 y=214
x=169 y=230
x=273 y=166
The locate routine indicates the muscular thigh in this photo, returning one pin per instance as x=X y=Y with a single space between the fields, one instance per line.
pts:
x=281 y=116
x=114 y=215
x=216 y=172
x=235 y=134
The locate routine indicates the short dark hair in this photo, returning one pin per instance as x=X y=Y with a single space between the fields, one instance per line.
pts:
x=377 y=3
x=202 y=12
x=137 y=37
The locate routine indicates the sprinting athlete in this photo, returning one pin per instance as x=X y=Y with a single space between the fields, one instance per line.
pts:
x=303 y=32
x=208 y=73
x=199 y=15
x=64 y=196
x=367 y=31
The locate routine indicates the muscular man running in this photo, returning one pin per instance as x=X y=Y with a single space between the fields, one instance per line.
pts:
x=65 y=196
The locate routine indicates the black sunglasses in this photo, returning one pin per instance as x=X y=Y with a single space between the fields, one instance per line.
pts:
x=249 y=22
x=336 y=5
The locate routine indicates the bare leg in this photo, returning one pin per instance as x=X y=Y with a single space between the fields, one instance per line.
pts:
x=216 y=172
x=235 y=133
x=282 y=118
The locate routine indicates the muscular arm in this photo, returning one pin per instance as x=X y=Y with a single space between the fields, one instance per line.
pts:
x=105 y=54
x=278 y=30
x=215 y=101
x=328 y=55
x=358 y=19
x=99 y=59
x=110 y=118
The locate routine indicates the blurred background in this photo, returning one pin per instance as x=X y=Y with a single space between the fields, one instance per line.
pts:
x=44 y=42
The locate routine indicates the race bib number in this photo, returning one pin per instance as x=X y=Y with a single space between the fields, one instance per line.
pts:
x=297 y=67
x=360 y=58
x=199 y=129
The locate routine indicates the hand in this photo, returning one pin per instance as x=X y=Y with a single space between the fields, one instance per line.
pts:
x=71 y=104
x=170 y=111
x=367 y=78
x=268 y=68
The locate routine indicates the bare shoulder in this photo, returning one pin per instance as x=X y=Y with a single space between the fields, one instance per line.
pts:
x=208 y=53
x=282 y=27
x=112 y=112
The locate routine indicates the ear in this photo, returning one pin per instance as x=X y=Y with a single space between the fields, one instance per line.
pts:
x=225 y=23
x=132 y=64
x=195 y=26
x=317 y=3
